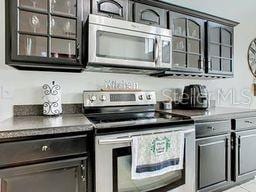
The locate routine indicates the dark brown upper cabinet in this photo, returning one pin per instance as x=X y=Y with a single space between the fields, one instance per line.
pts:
x=44 y=34
x=219 y=49
x=117 y=9
x=149 y=15
x=188 y=43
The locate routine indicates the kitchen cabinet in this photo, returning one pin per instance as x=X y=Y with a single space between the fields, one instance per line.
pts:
x=44 y=34
x=244 y=155
x=64 y=176
x=117 y=9
x=213 y=160
x=243 y=152
x=188 y=43
x=149 y=15
x=59 y=163
x=219 y=49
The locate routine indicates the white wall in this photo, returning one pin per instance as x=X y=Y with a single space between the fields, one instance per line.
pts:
x=23 y=87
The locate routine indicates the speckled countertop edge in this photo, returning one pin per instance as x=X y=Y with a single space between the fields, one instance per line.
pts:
x=218 y=113
x=25 y=126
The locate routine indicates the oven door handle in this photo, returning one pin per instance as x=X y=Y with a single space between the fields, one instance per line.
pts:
x=115 y=141
x=129 y=139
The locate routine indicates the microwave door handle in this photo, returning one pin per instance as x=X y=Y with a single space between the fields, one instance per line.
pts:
x=156 y=55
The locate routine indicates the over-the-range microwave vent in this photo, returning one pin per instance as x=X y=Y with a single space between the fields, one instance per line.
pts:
x=120 y=70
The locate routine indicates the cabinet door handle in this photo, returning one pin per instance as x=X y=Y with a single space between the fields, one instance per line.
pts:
x=239 y=142
x=77 y=51
x=83 y=172
x=209 y=62
x=3 y=185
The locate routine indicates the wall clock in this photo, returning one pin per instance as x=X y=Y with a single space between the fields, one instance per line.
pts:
x=252 y=57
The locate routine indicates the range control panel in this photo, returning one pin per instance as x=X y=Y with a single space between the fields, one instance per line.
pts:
x=116 y=98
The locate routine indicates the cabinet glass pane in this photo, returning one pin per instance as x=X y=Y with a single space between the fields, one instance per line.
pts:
x=32 y=22
x=179 y=44
x=193 y=29
x=65 y=180
x=215 y=50
x=226 y=52
x=215 y=64
x=35 y=4
x=63 y=27
x=194 y=61
x=226 y=37
x=179 y=59
x=67 y=7
x=215 y=35
x=179 y=26
x=226 y=65
x=118 y=46
x=61 y=48
x=166 y=50
x=32 y=46
x=193 y=46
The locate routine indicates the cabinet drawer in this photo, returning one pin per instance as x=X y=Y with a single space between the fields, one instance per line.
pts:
x=212 y=128
x=244 y=123
x=117 y=9
x=149 y=15
x=38 y=150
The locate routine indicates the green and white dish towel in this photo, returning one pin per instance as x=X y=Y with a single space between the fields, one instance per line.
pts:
x=157 y=154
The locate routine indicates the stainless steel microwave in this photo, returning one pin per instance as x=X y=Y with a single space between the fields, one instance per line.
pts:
x=124 y=44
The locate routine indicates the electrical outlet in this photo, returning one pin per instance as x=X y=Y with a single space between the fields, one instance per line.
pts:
x=5 y=93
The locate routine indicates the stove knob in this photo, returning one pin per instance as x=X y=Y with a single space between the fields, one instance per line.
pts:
x=149 y=97
x=93 y=98
x=103 y=98
x=141 y=97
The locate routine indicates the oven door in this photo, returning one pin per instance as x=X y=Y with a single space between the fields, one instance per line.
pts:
x=113 y=167
x=121 y=46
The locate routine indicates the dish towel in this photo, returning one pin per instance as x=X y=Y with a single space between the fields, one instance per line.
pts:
x=157 y=154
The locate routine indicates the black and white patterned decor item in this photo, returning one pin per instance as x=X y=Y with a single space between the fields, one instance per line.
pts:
x=52 y=99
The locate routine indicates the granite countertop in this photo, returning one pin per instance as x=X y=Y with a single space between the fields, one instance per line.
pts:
x=23 y=126
x=218 y=113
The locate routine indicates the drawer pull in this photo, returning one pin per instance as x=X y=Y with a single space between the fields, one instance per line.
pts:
x=45 y=148
x=211 y=128
x=250 y=122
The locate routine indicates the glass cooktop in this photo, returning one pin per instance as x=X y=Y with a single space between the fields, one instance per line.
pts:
x=135 y=117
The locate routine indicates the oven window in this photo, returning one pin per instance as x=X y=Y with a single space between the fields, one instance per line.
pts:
x=125 y=47
x=122 y=181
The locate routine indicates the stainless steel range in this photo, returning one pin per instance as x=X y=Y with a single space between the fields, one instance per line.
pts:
x=118 y=116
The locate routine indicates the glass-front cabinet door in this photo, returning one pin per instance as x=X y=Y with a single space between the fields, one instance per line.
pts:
x=219 y=49
x=46 y=31
x=188 y=43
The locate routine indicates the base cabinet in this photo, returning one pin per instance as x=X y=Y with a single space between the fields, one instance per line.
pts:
x=213 y=162
x=244 y=155
x=62 y=176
